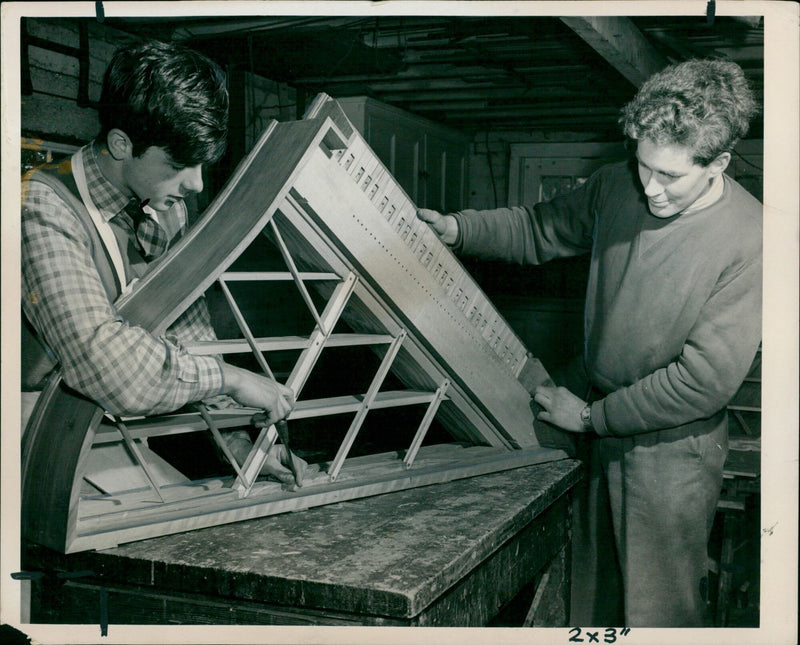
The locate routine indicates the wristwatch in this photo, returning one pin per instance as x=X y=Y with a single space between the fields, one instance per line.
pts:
x=586 y=417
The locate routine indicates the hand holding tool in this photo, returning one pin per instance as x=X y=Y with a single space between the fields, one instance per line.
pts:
x=282 y=428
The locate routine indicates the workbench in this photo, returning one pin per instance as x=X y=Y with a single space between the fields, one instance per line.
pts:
x=454 y=554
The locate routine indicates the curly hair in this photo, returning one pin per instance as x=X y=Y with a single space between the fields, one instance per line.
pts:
x=705 y=105
x=162 y=94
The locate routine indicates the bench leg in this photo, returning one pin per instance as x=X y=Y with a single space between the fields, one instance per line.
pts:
x=550 y=601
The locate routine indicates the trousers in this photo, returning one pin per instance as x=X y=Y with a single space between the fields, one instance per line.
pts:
x=642 y=519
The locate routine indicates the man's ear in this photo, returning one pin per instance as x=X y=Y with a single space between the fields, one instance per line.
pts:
x=119 y=145
x=719 y=164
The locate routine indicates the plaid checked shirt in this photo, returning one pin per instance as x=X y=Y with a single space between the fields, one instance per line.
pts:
x=125 y=369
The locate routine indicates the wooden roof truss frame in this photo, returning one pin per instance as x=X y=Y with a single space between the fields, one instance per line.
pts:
x=482 y=402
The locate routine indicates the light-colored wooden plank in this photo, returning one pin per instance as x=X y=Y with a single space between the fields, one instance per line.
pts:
x=170 y=424
x=384 y=474
x=239 y=276
x=235 y=346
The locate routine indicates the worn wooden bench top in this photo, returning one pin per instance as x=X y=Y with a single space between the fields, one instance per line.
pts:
x=388 y=555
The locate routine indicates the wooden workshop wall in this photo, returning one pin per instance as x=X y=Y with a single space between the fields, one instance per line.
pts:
x=50 y=110
x=490 y=154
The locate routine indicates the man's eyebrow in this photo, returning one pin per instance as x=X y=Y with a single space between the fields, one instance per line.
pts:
x=668 y=174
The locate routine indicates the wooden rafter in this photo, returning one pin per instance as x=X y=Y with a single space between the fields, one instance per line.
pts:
x=620 y=43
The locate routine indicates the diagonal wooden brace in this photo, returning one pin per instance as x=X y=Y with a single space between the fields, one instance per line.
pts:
x=129 y=441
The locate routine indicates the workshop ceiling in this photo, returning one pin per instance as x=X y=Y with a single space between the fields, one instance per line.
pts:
x=475 y=74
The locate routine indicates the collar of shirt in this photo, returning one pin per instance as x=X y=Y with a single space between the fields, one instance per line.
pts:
x=711 y=196
x=108 y=199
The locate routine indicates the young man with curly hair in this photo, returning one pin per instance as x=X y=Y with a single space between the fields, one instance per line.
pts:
x=672 y=323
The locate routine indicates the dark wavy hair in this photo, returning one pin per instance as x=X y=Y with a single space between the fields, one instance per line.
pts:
x=165 y=95
x=705 y=105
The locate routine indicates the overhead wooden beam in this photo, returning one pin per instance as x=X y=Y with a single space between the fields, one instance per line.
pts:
x=621 y=43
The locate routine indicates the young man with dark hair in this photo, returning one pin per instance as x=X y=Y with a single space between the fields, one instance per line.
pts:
x=90 y=226
x=671 y=326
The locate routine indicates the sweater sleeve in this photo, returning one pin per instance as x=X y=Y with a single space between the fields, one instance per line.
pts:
x=534 y=234
x=713 y=362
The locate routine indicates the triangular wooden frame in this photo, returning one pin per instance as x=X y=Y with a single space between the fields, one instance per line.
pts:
x=347 y=234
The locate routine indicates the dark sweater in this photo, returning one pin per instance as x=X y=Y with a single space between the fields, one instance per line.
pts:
x=673 y=306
